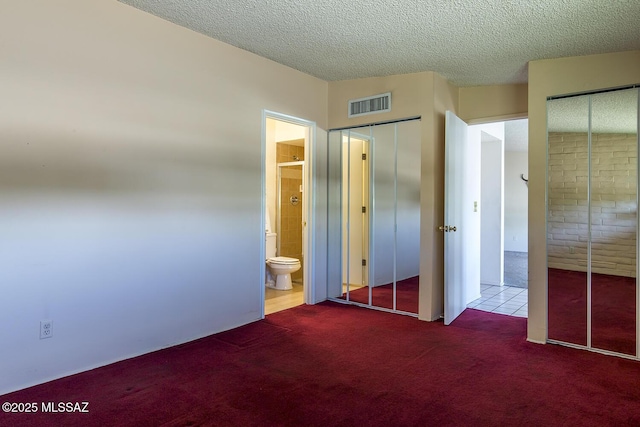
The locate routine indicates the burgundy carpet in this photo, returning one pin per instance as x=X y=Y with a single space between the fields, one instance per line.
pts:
x=341 y=365
x=613 y=310
x=382 y=296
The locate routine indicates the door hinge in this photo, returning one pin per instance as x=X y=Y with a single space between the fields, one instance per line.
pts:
x=364 y=156
x=364 y=209
x=364 y=262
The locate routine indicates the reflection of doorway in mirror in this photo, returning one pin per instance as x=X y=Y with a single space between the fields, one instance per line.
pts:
x=355 y=203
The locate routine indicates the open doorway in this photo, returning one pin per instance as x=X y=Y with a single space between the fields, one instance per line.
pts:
x=287 y=201
x=504 y=201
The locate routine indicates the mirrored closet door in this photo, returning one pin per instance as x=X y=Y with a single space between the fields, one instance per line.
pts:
x=374 y=215
x=592 y=221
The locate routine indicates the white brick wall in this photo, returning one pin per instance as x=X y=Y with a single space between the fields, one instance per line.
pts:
x=613 y=202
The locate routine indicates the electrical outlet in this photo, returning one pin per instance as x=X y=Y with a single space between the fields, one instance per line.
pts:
x=46 y=330
x=572 y=250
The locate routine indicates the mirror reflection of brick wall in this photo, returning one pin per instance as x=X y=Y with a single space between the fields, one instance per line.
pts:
x=613 y=202
x=290 y=216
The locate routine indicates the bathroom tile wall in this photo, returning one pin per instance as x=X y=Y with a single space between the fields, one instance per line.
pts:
x=285 y=151
x=290 y=215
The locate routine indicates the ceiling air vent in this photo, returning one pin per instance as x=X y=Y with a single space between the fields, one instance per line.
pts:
x=370 y=105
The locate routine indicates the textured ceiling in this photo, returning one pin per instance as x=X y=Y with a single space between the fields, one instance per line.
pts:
x=468 y=42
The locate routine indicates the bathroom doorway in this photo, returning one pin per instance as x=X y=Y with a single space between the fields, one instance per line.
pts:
x=287 y=205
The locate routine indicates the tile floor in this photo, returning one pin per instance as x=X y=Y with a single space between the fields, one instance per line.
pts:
x=496 y=299
x=281 y=300
x=275 y=301
x=502 y=299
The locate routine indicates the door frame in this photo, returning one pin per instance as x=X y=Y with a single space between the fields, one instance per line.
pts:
x=490 y=121
x=308 y=208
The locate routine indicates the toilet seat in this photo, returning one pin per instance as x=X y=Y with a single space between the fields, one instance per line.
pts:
x=283 y=260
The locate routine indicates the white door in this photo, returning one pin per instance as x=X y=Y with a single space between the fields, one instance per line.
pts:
x=456 y=160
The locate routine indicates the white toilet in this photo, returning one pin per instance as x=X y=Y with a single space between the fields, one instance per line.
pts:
x=278 y=267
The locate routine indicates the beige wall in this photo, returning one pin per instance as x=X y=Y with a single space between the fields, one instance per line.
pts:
x=427 y=95
x=409 y=95
x=445 y=97
x=548 y=78
x=481 y=104
x=129 y=182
